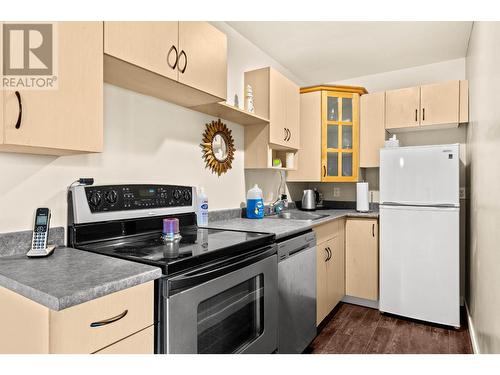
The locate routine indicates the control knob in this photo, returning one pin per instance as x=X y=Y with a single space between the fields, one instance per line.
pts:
x=177 y=194
x=95 y=199
x=187 y=195
x=111 y=196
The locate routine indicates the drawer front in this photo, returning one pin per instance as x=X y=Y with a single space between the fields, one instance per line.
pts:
x=71 y=330
x=141 y=342
x=325 y=232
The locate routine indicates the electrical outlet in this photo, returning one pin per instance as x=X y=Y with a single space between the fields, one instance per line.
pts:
x=462 y=193
x=336 y=192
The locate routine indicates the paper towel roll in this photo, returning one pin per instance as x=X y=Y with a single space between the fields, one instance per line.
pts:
x=362 y=197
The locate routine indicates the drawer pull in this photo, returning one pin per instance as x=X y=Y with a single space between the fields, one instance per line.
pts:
x=20 y=115
x=109 y=321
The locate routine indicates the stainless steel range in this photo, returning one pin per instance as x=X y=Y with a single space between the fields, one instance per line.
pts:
x=219 y=289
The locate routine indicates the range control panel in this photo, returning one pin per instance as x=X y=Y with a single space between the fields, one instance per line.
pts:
x=137 y=197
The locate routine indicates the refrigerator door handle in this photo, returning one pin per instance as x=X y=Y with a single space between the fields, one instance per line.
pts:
x=444 y=205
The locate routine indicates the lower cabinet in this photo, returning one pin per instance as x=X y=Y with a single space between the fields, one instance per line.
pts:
x=119 y=322
x=361 y=258
x=330 y=265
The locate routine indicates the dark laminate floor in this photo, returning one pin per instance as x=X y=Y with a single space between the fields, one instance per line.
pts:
x=360 y=330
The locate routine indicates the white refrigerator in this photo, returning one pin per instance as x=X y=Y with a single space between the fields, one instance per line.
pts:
x=419 y=233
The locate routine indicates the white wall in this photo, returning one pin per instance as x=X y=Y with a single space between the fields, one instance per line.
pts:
x=483 y=73
x=145 y=140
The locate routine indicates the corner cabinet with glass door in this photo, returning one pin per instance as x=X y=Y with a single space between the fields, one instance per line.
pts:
x=339 y=136
x=329 y=134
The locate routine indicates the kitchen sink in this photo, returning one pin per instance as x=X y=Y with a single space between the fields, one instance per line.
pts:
x=297 y=215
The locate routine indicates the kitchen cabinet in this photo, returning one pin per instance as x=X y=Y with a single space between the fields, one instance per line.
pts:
x=308 y=158
x=276 y=98
x=329 y=123
x=402 y=108
x=203 y=57
x=85 y=328
x=372 y=129
x=67 y=119
x=438 y=105
x=330 y=265
x=361 y=258
x=149 y=45
x=182 y=62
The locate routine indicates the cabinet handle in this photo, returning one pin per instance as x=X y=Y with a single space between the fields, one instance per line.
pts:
x=109 y=321
x=289 y=134
x=327 y=254
x=373 y=230
x=176 y=57
x=185 y=65
x=20 y=115
x=324 y=171
x=416 y=115
x=284 y=134
x=423 y=114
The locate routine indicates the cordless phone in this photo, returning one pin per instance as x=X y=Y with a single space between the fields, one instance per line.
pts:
x=41 y=234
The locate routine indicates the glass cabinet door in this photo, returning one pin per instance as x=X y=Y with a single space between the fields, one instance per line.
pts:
x=340 y=132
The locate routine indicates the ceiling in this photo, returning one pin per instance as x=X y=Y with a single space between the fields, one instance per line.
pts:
x=325 y=52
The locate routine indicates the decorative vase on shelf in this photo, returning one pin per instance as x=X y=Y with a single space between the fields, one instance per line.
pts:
x=249 y=99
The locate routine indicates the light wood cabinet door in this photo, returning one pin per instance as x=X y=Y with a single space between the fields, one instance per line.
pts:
x=292 y=123
x=440 y=103
x=203 y=58
x=149 y=45
x=277 y=108
x=361 y=260
x=67 y=119
x=322 y=297
x=372 y=129
x=336 y=271
x=308 y=158
x=402 y=108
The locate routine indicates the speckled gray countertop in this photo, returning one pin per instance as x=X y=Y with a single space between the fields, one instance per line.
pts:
x=69 y=277
x=286 y=227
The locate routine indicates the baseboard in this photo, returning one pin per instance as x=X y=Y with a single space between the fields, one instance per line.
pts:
x=472 y=332
x=361 y=302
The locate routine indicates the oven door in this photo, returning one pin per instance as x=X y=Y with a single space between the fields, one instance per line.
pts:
x=234 y=312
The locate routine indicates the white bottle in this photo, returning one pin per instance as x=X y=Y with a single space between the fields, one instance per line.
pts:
x=202 y=208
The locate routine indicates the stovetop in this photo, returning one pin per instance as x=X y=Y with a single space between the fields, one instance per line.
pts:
x=197 y=246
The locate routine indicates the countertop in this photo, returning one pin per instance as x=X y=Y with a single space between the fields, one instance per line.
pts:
x=69 y=277
x=286 y=227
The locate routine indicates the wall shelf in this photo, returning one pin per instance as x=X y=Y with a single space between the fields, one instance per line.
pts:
x=230 y=113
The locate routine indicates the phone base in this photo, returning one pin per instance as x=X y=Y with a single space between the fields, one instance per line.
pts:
x=41 y=253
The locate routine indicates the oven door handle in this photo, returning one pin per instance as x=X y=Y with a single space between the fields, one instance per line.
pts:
x=183 y=282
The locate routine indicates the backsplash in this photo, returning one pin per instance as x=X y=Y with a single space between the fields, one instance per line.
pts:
x=17 y=243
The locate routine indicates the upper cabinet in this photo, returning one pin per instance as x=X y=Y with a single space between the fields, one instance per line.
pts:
x=329 y=131
x=67 y=119
x=437 y=105
x=202 y=61
x=402 y=108
x=181 y=62
x=372 y=129
x=276 y=98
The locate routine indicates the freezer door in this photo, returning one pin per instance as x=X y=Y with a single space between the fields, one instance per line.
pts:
x=419 y=263
x=422 y=175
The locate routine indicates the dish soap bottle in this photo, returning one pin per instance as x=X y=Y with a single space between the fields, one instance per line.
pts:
x=202 y=208
x=255 y=203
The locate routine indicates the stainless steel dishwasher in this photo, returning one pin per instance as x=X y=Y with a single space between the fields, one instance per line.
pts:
x=297 y=293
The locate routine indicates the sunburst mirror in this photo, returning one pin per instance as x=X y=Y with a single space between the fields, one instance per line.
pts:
x=218 y=147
